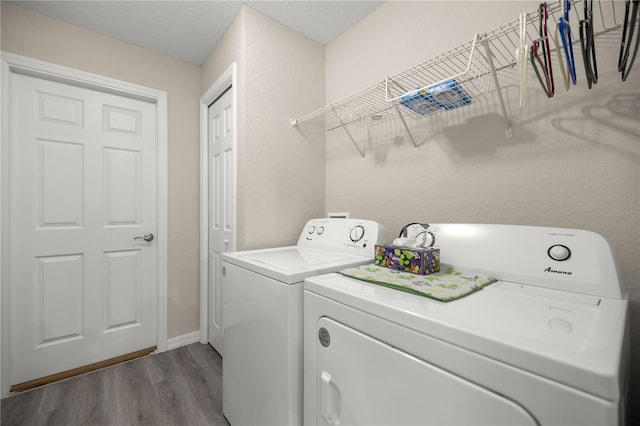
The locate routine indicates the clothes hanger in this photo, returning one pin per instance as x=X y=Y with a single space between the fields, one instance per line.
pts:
x=565 y=74
x=521 y=57
x=544 y=35
x=623 y=65
x=587 y=44
x=542 y=44
x=534 y=57
x=567 y=40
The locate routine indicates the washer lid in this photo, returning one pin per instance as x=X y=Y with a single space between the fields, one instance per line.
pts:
x=569 y=338
x=292 y=258
x=293 y=264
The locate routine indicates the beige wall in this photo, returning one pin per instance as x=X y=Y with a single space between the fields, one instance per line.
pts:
x=574 y=160
x=36 y=36
x=280 y=169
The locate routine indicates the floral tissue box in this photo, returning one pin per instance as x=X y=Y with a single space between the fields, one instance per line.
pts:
x=420 y=261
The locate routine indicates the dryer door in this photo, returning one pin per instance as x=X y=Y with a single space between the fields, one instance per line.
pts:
x=363 y=381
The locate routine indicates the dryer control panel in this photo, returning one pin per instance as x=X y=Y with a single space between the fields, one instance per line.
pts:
x=572 y=260
x=344 y=235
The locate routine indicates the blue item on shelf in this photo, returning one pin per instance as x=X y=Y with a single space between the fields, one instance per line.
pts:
x=447 y=95
x=420 y=102
x=450 y=95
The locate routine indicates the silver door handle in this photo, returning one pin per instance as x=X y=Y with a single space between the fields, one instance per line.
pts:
x=147 y=237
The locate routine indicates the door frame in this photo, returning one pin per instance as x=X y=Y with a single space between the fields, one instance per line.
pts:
x=16 y=64
x=227 y=79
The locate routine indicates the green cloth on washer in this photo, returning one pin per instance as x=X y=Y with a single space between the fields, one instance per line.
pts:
x=445 y=286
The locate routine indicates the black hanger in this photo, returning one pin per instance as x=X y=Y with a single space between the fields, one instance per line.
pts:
x=587 y=43
x=543 y=44
x=624 y=66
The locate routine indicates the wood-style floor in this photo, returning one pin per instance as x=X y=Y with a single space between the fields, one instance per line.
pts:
x=178 y=387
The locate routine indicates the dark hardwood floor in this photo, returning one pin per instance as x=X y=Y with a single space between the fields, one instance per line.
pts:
x=178 y=387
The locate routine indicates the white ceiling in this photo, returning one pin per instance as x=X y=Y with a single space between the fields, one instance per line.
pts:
x=189 y=30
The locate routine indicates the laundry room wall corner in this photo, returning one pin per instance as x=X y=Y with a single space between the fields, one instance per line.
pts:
x=283 y=175
x=228 y=51
x=281 y=170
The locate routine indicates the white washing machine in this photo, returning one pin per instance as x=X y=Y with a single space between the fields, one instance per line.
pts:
x=262 y=316
x=547 y=344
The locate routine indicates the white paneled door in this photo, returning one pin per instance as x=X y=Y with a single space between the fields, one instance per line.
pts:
x=221 y=205
x=82 y=190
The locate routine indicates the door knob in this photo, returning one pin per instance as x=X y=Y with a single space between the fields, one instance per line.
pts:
x=147 y=237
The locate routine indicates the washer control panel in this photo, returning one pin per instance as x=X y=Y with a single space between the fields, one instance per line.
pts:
x=346 y=235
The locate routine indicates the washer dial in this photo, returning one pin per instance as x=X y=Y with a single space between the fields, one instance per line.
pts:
x=356 y=233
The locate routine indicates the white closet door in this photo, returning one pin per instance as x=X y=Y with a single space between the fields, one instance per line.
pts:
x=221 y=205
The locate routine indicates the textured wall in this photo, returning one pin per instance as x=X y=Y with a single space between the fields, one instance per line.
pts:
x=36 y=36
x=283 y=174
x=229 y=49
x=573 y=161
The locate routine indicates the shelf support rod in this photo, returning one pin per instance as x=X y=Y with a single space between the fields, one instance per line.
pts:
x=397 y=108
x=406 y=128
x=349 y=134
x=354 y=142
x=507 y=122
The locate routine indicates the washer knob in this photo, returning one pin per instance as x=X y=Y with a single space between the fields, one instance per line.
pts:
x=320 y=230
x=310 y=229
x=559 y=252
x=356 y=233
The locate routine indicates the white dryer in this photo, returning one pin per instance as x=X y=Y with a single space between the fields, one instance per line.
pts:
x=262 y=316
x=546 y=344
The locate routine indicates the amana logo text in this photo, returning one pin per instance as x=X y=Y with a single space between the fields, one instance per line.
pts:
x=557 y=272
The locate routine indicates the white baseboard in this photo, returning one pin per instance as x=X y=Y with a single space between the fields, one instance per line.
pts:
x=184 y=340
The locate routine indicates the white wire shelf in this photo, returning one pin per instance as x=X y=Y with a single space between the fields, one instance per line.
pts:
x=367 y=105
x=461 y=76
